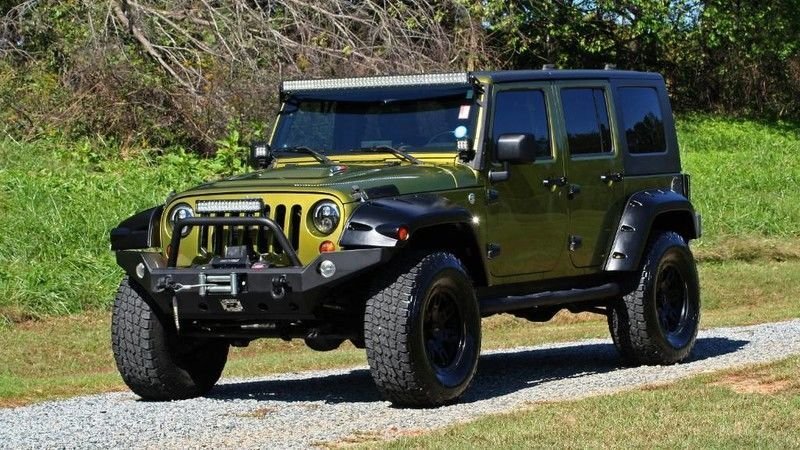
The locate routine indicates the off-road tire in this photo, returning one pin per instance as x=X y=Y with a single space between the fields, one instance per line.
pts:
x=634 y=321
x=153 y=360
x=398 y=317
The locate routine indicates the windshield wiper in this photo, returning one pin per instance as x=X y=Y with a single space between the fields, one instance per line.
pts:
x=387 y=149
x=308 y=151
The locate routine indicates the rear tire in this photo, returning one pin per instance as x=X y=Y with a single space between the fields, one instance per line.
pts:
x=422 y=331
x=153 y=360
x=657 y=323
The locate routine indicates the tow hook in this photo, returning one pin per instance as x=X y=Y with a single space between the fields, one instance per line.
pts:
x=165 y=284
x=279 y=287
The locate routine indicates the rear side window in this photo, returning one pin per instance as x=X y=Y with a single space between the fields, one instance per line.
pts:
x=524 y=112
x=642 y=119
x=586 y=120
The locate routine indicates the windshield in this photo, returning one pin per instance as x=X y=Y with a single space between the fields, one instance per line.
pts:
x=340 y=126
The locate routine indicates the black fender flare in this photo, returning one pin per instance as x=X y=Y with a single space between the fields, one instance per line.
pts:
x=138 y=231
x=374 y=223
x=642 y=212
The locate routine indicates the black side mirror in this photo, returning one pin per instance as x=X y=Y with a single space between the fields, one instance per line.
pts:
x=513 y=148
x=516 y=148
x=260 y=154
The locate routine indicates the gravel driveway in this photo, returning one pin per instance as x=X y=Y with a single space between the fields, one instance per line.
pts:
x=304 y=409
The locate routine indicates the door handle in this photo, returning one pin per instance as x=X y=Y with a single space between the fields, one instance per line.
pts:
x=554 y=182
x=614 y=177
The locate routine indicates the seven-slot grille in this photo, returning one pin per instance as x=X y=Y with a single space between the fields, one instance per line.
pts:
x=214 y=239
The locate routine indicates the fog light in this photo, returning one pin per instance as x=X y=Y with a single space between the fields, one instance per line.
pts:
x=140 y=270
x=327 y=268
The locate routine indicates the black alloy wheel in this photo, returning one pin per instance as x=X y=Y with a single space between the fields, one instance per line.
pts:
x=445 y=334
x=674 y=306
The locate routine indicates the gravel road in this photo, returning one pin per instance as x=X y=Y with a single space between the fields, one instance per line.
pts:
x=311 y=408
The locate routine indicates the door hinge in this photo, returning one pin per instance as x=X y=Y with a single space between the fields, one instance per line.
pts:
x=575 y=242
x=493 y=251
x=492 y=196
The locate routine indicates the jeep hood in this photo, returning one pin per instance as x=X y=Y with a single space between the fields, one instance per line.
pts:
x=341 y=180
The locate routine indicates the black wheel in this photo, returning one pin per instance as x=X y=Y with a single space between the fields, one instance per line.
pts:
x=153 y=360
x=422 y=331
x=657 y=322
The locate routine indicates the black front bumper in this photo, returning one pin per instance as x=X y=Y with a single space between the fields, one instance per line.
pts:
x=271 y=294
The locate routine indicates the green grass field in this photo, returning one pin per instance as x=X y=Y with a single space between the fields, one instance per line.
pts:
x=755 y=407
x=59 y=200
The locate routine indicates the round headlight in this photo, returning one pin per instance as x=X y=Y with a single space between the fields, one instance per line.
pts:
x=182 y=211
x=325 y=216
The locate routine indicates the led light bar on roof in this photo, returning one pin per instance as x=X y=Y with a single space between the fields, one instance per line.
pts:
x=222 y=206
x=379 y=81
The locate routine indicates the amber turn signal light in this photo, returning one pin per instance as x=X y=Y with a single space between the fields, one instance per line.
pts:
x=402 y=233
x=327 y=246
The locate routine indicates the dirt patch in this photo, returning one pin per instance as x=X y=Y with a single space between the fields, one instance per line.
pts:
x=755 y=248
x=758 y=383
x=369 y=437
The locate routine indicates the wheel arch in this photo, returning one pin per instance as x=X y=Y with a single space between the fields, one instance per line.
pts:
x=138 y=231
x=433 y=223
x=644 y=212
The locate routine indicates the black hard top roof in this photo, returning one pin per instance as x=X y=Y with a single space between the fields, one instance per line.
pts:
x=507 y=76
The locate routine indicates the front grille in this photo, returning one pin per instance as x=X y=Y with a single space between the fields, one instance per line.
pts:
x=259 y=240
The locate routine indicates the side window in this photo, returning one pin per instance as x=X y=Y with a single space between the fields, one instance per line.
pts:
x=586 y=119
x=642 y=119
x=523 y=111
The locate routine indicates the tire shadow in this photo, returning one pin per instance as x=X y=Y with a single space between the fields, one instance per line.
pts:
x=499 y=373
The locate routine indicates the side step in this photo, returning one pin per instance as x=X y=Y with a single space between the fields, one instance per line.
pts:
x=548 y=298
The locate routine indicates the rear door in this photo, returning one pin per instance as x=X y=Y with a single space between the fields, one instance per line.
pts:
x=526 y=218
x=593 y=168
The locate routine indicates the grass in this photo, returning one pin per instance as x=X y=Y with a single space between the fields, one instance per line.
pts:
x=66 y=356
x=745 y=175
x=755 y=407
x=57 y=204
x=58 y=201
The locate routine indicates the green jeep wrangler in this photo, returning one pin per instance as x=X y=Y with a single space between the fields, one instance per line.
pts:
x=397 y=211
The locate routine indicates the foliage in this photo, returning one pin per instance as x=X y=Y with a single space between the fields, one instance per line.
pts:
x=735 y=57
x=162 y=73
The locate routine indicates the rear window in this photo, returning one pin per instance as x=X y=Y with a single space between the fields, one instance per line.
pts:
x=586 y=120
x=642 y=119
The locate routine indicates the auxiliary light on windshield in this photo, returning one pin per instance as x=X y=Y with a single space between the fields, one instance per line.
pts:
x=457 y=78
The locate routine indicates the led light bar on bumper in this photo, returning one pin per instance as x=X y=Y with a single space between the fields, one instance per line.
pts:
x=221 y=206
x=457 y=78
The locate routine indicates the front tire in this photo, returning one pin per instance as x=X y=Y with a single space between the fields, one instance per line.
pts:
x=657 y=323
x=422 y=331
x=153 y=360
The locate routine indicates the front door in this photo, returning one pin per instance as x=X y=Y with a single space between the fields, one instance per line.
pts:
x=593 y=169
x=527 y=215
